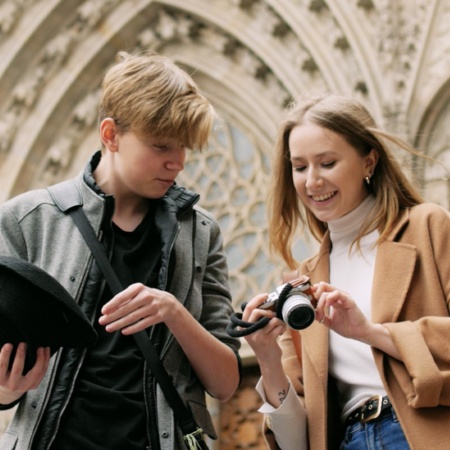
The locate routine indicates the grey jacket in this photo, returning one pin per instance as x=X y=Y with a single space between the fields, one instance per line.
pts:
x=33 y=228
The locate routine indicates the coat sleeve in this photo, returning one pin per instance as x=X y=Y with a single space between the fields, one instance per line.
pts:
x=424 y=342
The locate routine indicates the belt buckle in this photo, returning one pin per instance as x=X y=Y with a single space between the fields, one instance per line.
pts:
x=371 y=415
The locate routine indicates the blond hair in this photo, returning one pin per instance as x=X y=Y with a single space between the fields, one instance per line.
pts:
x=150 y=95
x=351 y=120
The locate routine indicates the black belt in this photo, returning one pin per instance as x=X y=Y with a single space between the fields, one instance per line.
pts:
x=376 y=407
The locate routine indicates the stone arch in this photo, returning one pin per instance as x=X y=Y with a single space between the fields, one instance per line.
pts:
x=251 y=57
x=433 y=139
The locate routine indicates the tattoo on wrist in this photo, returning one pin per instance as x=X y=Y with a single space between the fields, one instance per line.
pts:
x=282 y=395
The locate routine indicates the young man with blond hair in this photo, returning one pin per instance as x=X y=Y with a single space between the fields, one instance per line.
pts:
x=168 y=254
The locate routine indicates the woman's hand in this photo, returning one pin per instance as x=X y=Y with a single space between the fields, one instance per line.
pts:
x=339 y=312
x=264 y=341
x=13 y=384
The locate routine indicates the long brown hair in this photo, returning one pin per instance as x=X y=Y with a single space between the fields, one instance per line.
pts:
x=351 y=120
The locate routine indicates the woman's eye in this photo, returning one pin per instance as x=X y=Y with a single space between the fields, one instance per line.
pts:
x=328 y=165
x=300 y=168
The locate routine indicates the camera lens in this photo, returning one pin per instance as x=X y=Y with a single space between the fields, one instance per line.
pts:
x=298 y=312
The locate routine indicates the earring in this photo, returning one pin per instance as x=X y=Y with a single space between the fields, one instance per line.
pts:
x=367 y=180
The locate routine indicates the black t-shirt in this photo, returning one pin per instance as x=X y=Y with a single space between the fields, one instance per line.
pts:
x=107 y=409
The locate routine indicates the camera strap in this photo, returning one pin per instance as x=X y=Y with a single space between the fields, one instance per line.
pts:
x=240 y=328
x=68 y=199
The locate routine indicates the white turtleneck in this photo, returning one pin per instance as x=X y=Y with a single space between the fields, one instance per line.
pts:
x=351 y=362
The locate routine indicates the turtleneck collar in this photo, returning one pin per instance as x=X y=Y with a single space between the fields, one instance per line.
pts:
x=347 y=227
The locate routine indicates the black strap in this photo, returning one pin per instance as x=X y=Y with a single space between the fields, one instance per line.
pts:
x=68 y=199
x=240 y=328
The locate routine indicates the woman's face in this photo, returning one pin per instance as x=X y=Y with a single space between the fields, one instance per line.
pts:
x=328 y=172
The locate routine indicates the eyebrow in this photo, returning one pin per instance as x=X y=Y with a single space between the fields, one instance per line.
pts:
x=318 y=156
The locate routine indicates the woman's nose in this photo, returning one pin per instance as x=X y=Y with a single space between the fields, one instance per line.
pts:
x=313 y=178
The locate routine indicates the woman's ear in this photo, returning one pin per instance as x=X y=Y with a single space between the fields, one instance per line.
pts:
x=371 y=161
x=109 y=134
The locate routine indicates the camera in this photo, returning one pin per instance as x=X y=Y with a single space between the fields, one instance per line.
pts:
x=296 y=301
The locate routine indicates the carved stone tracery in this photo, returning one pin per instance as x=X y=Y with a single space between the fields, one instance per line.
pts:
x=252 y=57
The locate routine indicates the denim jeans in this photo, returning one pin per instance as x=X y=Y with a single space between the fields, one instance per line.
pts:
x=384 y=434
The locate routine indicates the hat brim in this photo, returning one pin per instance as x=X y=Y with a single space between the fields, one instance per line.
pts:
x=36 y=309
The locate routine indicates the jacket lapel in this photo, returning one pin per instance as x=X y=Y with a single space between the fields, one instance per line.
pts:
x=394 y=270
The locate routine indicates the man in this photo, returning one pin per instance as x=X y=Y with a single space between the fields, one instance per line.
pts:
x=168 y=255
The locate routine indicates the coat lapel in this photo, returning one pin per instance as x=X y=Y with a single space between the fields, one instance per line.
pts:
x=394 y=269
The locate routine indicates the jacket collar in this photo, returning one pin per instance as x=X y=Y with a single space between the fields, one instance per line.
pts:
x=177 y=199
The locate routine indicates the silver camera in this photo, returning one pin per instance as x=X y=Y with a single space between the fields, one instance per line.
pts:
x=294 y=303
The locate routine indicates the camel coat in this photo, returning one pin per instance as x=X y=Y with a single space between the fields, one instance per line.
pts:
x=411 y=297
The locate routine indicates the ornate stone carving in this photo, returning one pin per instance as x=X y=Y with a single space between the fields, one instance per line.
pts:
x=8 y=127
x=253 y=56
x=10 y=11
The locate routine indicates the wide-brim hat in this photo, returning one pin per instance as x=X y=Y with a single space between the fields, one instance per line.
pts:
x=36 y=309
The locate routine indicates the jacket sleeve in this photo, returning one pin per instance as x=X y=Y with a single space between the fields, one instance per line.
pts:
x=216 y=293
x=424 y=342
x=12 y=242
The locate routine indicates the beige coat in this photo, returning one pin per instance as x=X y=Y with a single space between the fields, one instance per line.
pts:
x=410 y=296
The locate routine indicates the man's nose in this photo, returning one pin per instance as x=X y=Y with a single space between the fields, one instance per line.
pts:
x=177 y=158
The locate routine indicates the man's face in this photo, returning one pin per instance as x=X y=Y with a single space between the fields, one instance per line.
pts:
x=144 y=166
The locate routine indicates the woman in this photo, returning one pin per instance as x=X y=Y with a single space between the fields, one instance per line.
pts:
x=373 y=370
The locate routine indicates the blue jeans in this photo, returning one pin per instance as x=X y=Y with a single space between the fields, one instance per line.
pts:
x=384 y=434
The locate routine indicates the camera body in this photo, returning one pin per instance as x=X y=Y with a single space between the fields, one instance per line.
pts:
x=298 y=303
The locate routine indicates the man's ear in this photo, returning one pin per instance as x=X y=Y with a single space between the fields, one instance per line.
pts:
x=109 y=134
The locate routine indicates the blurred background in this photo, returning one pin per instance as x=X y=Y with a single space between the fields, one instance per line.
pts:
x=251 y=57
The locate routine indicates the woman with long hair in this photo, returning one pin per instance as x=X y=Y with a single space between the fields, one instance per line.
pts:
x=373 y=370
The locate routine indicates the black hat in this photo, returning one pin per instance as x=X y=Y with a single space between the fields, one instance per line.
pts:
x=35 y=308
